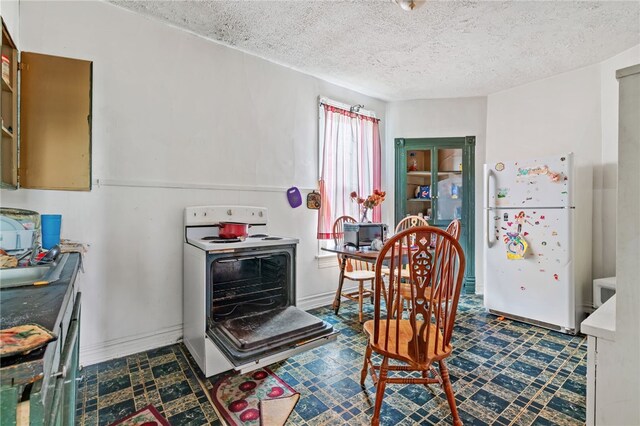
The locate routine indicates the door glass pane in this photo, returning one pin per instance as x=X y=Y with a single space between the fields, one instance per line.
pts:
x=419 y=180
x=449 y=184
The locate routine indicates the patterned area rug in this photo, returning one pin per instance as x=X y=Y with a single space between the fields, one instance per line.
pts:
x=148 y=416
x=256 y=398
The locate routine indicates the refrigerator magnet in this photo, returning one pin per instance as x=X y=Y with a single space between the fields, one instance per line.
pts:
x=516 y=246
x=503 y=192
x=499 y=167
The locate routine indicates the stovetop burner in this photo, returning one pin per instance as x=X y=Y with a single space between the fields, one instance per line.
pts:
x=214 y=239
x=221 y=240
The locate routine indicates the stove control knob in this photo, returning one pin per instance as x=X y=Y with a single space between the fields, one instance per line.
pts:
x=260 y=214
x=229 y=212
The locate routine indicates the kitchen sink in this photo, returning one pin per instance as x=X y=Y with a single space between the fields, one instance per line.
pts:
x=17 y=277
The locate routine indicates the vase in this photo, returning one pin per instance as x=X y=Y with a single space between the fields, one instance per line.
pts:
x=364 y=218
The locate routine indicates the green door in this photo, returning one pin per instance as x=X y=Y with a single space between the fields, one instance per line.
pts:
x=435 y=179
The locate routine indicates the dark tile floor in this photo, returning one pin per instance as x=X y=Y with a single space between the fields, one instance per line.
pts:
x=503 y=372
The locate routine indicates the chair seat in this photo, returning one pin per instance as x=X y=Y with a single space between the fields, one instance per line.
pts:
x=404 y=273
x=360 y=275
x=406 y=288
x=406 y=334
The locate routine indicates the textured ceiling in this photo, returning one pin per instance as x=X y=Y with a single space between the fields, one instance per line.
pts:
x=443 y=49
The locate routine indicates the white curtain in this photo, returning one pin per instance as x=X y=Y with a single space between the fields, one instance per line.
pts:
x=350 y=161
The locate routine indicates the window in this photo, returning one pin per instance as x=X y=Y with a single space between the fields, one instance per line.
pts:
x=349 y=160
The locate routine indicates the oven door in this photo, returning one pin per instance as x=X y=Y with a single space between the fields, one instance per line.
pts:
x=245 y=362
x=252 y=318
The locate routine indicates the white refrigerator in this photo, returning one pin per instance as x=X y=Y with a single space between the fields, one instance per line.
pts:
x=529 y=261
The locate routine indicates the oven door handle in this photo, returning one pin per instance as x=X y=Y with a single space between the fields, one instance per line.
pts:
x=326 y=336
x=243 y=258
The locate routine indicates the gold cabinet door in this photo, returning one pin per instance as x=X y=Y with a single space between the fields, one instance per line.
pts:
x=55 y=122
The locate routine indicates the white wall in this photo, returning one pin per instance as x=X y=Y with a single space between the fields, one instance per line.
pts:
x=605 y=180
x=622 y=404
x=439 y=118
x=555 y=116
x=173 y=109
x=616 y=388
x=10 y=12
x=575 y=111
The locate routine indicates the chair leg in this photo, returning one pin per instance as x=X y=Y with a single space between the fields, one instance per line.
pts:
x=382 y=383
x=392 y=306
x=372 y=290
x=399 y=308
x=360 y=297
x=360 y=288
x=367 y=358
x=446 y=383
x=384 y=294
x=425 y=375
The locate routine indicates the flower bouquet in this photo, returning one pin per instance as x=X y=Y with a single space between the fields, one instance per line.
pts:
x=370 y=202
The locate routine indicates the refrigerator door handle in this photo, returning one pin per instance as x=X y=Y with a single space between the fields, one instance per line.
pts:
x=487 y=210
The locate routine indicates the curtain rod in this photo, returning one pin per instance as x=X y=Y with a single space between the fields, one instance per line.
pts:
x=356 y=109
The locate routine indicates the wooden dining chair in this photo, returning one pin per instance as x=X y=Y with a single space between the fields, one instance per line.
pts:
x=410 y=222
x=405 y=288
x=406 y=223
x=454 y=229
x=355 y=270
x=423 y=338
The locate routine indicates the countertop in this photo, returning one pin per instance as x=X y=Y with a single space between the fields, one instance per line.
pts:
x=602 y=322
x=42 y=305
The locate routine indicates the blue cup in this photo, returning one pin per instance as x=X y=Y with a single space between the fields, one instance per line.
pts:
x=50 y=230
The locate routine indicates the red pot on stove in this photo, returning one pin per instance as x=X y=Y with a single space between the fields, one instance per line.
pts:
x=233 y=230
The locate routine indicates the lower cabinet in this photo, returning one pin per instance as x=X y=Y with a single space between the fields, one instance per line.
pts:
x=51 y=400
x=63 y=407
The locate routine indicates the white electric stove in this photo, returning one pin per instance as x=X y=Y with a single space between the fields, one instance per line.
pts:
x=201 y=228
x=239 y=294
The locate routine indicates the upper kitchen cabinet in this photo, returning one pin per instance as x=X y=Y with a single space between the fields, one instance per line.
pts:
x=49 y=145
x=9 y=112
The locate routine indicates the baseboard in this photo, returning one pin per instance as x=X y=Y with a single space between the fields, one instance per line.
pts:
x=124 y=346
x=129 y=345
x=322 y=299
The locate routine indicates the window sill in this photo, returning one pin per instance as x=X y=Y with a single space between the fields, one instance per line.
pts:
x=326 y=261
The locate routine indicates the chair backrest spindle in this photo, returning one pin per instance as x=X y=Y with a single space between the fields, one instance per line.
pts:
x=338 y=235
